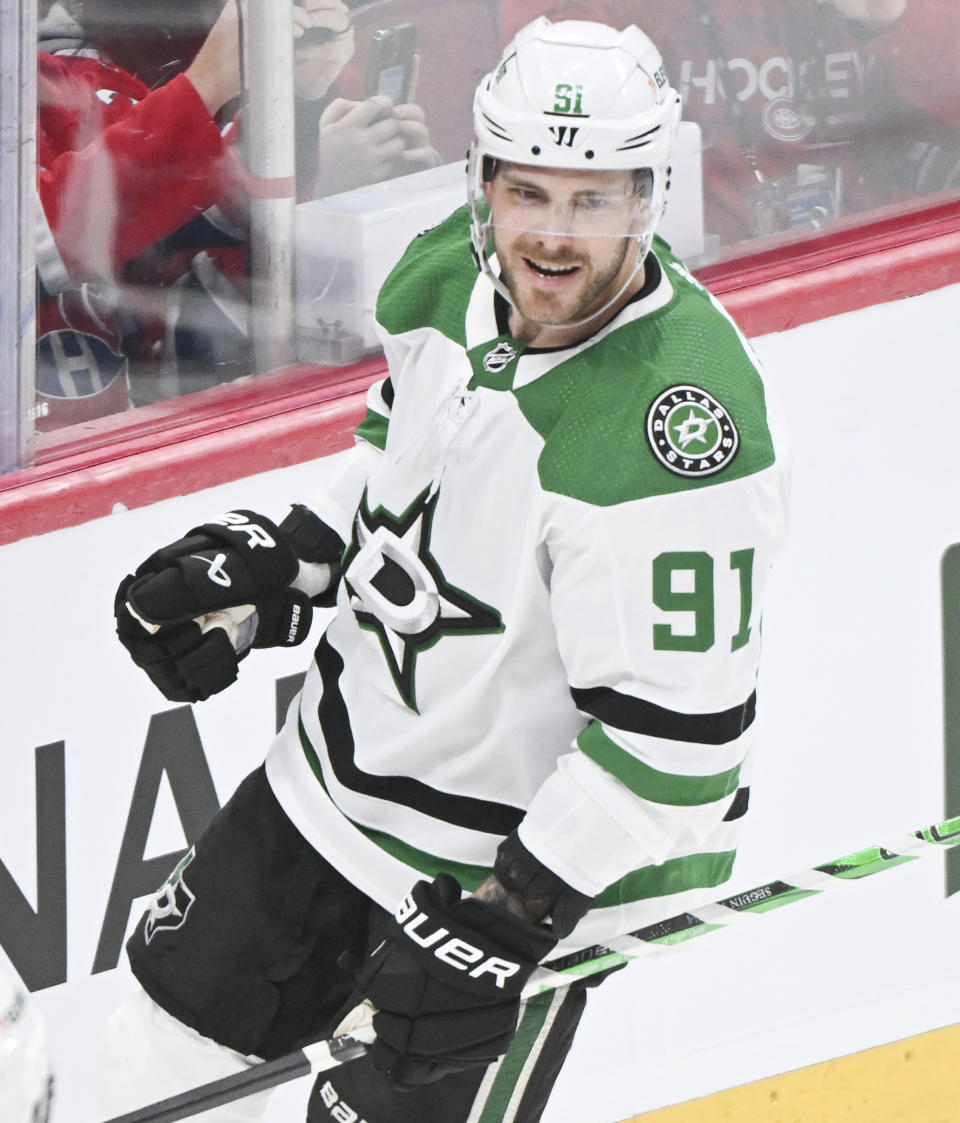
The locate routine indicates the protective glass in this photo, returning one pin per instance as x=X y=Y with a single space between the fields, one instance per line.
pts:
x=516 y=206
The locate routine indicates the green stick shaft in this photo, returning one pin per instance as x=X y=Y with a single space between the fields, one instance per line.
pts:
x=764 y=898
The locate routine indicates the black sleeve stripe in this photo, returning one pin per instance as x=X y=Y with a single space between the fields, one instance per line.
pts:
x=737 y=809
x=634 y=715
x=387 y=392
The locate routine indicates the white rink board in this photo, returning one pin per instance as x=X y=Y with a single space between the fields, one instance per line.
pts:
x=850 y=702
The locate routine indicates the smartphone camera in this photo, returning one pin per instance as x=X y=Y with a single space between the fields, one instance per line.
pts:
x=391 y=63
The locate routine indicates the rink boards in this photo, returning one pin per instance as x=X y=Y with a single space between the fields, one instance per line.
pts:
x=103 y=780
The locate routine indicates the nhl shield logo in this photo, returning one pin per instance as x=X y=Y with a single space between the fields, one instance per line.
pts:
x=499 y=358
x=690 y=432
x=168 y=909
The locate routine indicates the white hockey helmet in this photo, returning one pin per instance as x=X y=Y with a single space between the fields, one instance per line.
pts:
x=25 y=1081
x=579 y=95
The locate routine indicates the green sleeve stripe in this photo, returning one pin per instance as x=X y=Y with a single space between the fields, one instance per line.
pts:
x=470 y=877
x=373 y=429
x=676 y=875
x=647 y=782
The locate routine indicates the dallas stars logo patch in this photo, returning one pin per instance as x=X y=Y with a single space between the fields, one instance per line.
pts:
x=398 y=590
x=690 y=432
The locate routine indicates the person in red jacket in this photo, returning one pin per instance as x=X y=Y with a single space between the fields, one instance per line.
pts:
x=124 y=175
x=812 y=112
x=141 y=249
x=119 y=167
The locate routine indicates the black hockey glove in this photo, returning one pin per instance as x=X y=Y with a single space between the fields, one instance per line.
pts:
x=183 y=615
x=446 y=982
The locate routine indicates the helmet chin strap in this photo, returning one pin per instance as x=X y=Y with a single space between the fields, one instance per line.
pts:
x=643 y=245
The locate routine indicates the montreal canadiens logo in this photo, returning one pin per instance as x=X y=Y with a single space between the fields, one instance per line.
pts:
x=783 y=121
x=690 y=432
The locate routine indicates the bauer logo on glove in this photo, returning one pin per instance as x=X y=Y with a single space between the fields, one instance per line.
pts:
x=453 y=951
x=446 y=982
x=195 y=608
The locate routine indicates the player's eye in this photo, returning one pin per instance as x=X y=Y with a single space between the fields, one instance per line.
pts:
x=526 y=195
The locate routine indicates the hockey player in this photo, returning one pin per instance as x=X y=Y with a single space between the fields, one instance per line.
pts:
x=530 y=721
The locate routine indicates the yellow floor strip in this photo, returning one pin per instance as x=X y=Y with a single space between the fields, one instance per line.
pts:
x=911 y=1081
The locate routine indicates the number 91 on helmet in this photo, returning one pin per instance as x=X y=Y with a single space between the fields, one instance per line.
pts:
x=578 y=98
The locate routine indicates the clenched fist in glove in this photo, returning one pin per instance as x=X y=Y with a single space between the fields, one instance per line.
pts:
x=193 y=609
x=446 y=982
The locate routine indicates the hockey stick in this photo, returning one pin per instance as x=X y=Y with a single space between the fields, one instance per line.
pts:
x=651 y=939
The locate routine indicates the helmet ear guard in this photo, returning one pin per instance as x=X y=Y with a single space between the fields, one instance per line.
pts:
x=643 y=182
x=488 y=168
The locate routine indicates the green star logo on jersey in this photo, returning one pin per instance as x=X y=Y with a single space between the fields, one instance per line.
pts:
x=690 y=432
x=398 y=590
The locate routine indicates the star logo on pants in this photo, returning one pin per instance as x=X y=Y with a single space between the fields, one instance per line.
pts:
x=168 y=910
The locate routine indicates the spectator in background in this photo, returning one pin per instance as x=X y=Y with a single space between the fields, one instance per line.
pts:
x=811 y=110
x=118 y=168
x=344 y=143
x=142 y=189
x=341 y=144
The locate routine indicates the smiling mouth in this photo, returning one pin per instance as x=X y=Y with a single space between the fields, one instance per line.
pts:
x=551 y=270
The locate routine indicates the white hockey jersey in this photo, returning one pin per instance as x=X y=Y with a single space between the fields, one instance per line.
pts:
x=549 y=617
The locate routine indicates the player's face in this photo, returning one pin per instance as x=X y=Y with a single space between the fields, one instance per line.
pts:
x=563 y=239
